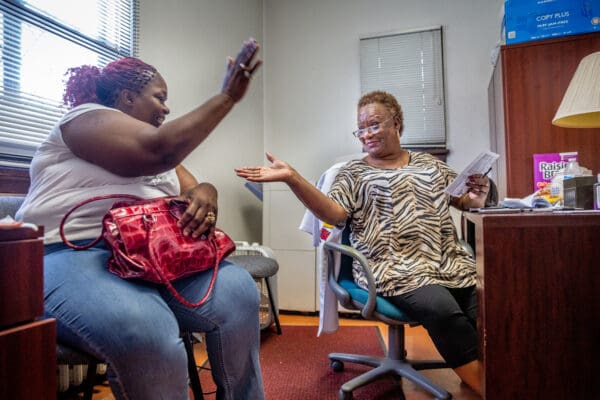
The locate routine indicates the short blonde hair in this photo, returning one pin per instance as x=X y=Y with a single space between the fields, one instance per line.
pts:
x=387 y=100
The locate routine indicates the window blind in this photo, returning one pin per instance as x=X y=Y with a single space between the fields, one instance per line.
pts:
x=409 y=66
x=39 y=41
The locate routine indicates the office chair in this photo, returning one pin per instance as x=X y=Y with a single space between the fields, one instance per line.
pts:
x=373 y=307
x=71 y=356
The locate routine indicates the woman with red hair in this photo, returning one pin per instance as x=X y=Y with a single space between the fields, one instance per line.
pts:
x=114 y=139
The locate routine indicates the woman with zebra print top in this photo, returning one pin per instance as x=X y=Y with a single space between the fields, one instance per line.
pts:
x=399 y=215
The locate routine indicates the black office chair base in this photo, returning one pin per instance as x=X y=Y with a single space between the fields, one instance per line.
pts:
x=383 y=367
x=394 y=364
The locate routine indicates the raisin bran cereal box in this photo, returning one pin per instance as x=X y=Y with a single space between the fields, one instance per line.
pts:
x=546 y=165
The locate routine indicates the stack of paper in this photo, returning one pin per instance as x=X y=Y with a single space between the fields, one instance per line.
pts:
x=530 y=201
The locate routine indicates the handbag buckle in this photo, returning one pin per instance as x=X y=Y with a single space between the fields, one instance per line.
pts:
x=149 y=220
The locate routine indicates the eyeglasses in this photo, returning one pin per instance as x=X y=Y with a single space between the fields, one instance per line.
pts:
x=359 y=133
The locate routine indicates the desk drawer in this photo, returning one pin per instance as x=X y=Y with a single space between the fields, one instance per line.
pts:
x=21 y=281
x=28 y=361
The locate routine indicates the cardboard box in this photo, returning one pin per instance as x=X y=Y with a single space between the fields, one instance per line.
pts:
x=546 y=165
x=528 y=20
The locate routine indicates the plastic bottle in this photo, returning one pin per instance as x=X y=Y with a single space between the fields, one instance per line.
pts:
x=569 y=171
x=572 y=169
x=556 y=186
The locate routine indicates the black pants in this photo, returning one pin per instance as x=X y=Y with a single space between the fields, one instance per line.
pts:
x=450 y=317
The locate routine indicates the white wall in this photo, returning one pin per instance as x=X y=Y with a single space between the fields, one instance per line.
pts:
x=310 y=80
x=312 y=72
x=188 y=41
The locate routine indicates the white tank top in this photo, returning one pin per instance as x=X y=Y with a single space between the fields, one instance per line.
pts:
x=60 y=180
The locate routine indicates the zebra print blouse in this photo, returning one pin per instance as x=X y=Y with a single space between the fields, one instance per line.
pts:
x=401 y=222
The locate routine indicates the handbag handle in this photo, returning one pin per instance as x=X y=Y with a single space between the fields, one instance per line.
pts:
x=76 y=206
x=168 y=283
x=170 y=286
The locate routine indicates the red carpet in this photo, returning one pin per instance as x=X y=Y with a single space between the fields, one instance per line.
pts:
x=295 y=365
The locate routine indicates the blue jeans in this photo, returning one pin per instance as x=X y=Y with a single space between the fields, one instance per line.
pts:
x=135 y=325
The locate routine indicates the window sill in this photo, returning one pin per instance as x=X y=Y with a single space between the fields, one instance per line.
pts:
x=14 y=181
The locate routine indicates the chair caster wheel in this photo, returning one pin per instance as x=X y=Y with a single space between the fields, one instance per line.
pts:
x=337 y=366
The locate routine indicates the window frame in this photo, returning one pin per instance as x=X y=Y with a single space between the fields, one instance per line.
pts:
x=15 y=13
x=440 y=145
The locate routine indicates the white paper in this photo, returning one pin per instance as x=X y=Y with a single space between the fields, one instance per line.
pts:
x=530 y=201
x=480 y=165
x=525 y=202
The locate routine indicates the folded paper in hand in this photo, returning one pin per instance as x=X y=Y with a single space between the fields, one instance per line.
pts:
x=480 y=165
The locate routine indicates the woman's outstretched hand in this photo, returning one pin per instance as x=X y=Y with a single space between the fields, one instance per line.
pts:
x=240 y=71
x=278 y=171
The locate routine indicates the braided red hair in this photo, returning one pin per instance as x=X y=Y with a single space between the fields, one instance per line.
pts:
x=90 y=84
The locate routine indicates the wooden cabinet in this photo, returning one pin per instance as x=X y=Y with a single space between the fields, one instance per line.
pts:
x=27 y=343
x=537 y=284
x=526 y=88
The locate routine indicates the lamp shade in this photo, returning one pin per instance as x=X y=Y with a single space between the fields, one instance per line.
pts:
x=580 y=106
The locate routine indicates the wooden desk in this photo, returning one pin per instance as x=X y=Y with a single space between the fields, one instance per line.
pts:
x=538 y=278
x=27 y=343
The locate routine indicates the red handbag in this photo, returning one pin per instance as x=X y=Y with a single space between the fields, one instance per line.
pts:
x=147 y=244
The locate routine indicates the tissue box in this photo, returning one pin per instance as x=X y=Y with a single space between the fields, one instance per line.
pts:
x=528 y=20
x=579 y=192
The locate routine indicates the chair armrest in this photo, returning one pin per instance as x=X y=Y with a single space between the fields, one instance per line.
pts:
x=330 y=248
x=340 y=292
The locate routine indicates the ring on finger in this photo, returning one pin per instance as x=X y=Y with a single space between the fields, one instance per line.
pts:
x=210 y=217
